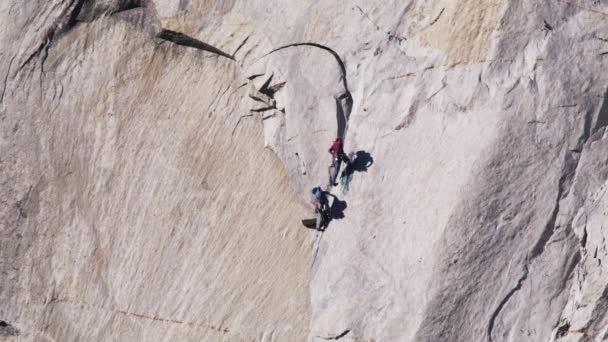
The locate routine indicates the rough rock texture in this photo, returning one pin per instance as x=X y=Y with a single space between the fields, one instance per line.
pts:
x=156 y=159
x=137 y=204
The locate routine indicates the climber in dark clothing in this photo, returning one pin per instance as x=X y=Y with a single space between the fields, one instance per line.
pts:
x=321 y=204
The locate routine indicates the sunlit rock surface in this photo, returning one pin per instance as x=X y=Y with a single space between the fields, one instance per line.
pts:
x=156 y=158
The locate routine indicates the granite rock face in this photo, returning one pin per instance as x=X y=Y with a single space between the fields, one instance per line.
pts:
x=156 y=158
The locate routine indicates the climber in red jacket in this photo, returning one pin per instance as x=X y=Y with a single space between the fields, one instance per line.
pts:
x=337 y=151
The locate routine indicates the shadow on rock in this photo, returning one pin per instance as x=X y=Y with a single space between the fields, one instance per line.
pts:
x=363 y=160
x=7 y=329
x=360 y=162
x=337 y=208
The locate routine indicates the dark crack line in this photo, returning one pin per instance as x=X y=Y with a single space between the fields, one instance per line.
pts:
x=576 y=258
x=547 y=232
x=343 y=114
x=269 y=116
x=443 y=85
x=74 y=13
x=391 y=36
x=602 y=117
x=266 y=85
x=255 y=98
x=242 y=60
x=565 y=182
x=83 y=305
x=235 y=91
x=223 y=93
x=253 y=77
x=239 y=121
x=602 y=39
x=90 y=10
x=275 y=88
x=263 y=109
x=504 y=301
x=363 y=13
x=8 y=71
x=318 y=244
x=130 y=6
x=337 y=337
x=63 y=25
x=241 y=45
x=184 y=40
x=46 y=55
x=218 y=97
x=437 y=18
x=47 y=40
x=68 y=19
x=323 y=47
